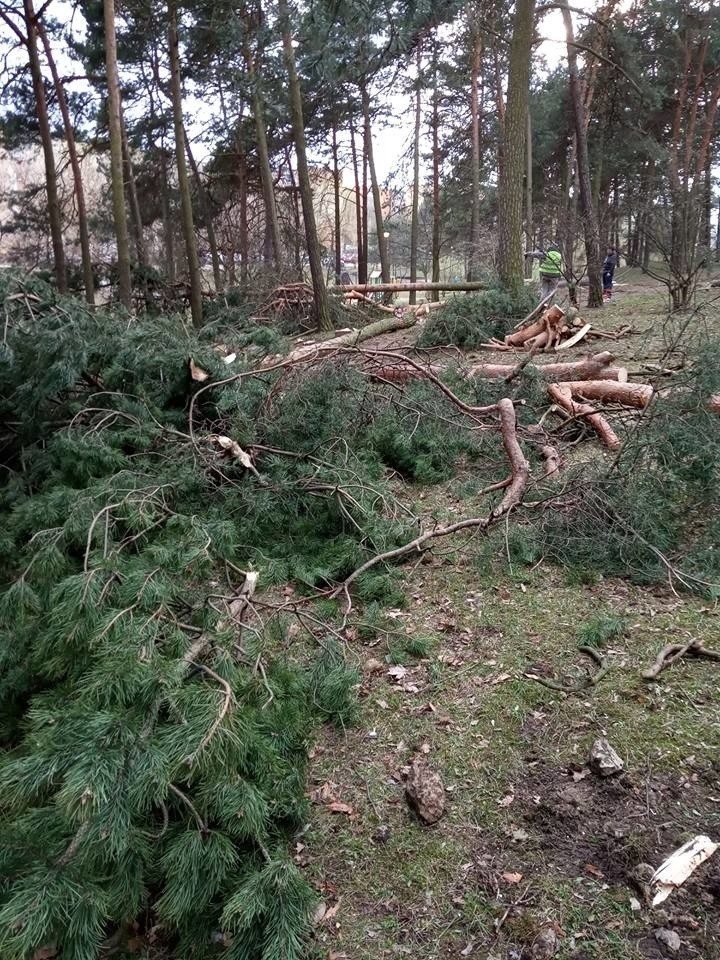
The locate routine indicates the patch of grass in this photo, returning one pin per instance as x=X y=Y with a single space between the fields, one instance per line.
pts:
x=602 y=629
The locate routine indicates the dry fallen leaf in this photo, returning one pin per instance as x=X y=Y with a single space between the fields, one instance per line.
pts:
x=512 y=877
x=397 y=673
x=594 y=871
x=197 y=373
x=338 y=807
x=506 y=800
x=501 y=678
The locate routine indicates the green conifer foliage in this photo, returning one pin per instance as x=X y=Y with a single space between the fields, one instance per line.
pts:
x=151 y=773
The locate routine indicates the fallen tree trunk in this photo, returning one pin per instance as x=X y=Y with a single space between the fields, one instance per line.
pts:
x=597 y=367
x=398 y=321
x=406 y=287
x=561 y=394
x=628 y=394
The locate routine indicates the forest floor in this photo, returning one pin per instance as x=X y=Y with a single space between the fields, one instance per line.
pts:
x=533 y=846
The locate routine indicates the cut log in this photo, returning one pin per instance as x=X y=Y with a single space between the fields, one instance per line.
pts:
x=406 y=287
x=628 y=394
x=519 y=338
x=582 y=332
x=548 y=324
x=561 y=394
x=398 y=321
x=552 y=460
x=596 y=367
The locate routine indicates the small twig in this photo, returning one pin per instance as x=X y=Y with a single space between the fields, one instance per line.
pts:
x=227 y=700
x=589 y=680
x=202 y=826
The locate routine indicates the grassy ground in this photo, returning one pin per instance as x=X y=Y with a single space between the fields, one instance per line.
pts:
x=531 y=841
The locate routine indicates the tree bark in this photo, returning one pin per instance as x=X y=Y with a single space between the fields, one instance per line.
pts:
x=365 y=221
x=436 y=171
x=132 y=194
x=243 y=232
x=261 y=144
x=597 y=367
x=377 y=202
x=196 y=306
x=528 y=192
x=511 y=262
x=362 y=275
x=592 y=230
x=206 y=214
x=88 y=278
x=628 y=394
x=405 y=287
x=337 y=232
x=168 y=241
x=473 y=264
x=322 y=306
x=116 y=172
x=41 y=112
x=415 y=216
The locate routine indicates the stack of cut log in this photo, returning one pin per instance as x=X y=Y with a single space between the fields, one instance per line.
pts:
x=552 y=330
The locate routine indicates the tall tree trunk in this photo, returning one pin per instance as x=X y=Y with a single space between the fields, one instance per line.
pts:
x=79 y=190
x=243 y=233
x=168 y=241
x=415 y=216
x=365 y=220
x=473 y=265
x=336 y=197
x=132 y=194
x=528 y=192
x=361 y=272
x=116 y=171
x=322 y=305
x=206 y=212
x=592 y=231
x=196 y=306
x=510 y=194
x=261 y=145
x=295 y=200
x=51 y=183
x=377 y=201
x=436 y=171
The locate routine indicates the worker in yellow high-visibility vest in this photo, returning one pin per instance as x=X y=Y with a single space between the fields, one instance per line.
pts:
x=551 y=269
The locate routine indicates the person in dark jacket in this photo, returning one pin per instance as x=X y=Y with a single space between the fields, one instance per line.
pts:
x=609 y=265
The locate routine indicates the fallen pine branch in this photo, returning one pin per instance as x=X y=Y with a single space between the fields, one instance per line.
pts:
x=674 y=651
x=589 y=680
x=561 y=394
x=514 y=493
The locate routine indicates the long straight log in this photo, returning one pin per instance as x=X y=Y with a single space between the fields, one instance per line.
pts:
x=400 y=321
x=405 y=287
x=596 y=367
